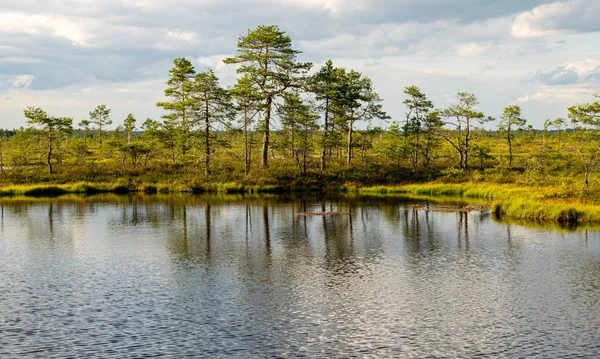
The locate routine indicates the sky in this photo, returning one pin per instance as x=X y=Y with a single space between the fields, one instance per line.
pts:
x=69 y=56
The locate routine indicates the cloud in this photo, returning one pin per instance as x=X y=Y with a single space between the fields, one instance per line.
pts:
x=180 y=35
x=581 y=72
x=333 y=7
x=75 y=30
x=15 y=82
x=23 y=81
x=20 y=60
x=471 y=49
x=432 y=38
x=562 y=17
x=567 y=94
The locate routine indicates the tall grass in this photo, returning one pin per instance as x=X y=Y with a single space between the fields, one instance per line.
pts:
x=122 y=187
x=535 y=203
x=540 y=203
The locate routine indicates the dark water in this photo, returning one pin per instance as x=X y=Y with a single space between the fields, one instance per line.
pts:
x=236 y=277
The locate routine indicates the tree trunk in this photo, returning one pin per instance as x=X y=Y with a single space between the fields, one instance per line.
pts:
x=587 y=176
x=293 y=144
x=415 y=161
x=267 y=121
x=49 y=157
x=183 y=119
x=350 y=131
x=207 y=145
x=325 y=134
x=467 y=132
x=246 y=155
x=510 y=154
x=305 y=150
x=417 y=127
x=459 y=144
x=427 y=151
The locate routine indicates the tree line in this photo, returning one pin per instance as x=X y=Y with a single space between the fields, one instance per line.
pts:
x=232 y=132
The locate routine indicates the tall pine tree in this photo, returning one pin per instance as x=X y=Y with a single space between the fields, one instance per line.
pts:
x=266 y=55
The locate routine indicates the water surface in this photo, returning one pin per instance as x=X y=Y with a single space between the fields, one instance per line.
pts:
x=248 y=277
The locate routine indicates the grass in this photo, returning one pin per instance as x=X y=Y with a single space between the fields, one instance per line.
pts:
x=121 y=187
x=559 y=204
x=60 y=189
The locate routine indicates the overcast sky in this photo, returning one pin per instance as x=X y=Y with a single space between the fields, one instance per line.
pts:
x=69 y=56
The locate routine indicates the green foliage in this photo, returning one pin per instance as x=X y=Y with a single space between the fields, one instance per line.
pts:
x=511 y=120
x=462 y=117
x=266 y=56
x=100 y=116
x=421 y=124
x=129 y=126
x=51 y=129
x=211 y=106
x=179 y=108
x=586 y=114
x=247 y=103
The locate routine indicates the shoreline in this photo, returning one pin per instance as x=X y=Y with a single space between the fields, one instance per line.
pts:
x=511 y=201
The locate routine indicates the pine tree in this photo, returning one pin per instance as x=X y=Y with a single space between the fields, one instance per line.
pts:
x=418 y=109
x=129 y=126
x=51 y=127
x=179 y=88
x=101 y=117
x=511 y=119
x=212 y=105
x=267 y=57
x=247 y=101
x=324 y=85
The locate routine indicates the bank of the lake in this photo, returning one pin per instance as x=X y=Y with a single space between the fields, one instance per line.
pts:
x=535 y=203
x=562 y=204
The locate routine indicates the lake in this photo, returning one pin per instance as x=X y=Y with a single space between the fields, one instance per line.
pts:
x=251 y=277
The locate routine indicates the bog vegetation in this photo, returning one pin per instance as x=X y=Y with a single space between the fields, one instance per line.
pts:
x=285 y=125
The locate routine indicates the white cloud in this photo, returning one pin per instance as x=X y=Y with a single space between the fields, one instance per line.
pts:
x=566 y=94
x=333 y=7
x=585 y=66
x=576 y=72
x=75 y=30
x=471 y=49
x=77 y=101
x=23 y=81
x=558 y=18
x=215 y=62
x=20 y=60
x=180 y=35
x=431 y=38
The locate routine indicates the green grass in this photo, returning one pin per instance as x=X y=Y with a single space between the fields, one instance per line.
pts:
x=121 y=187
x=534 y=203
x=559 y=204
